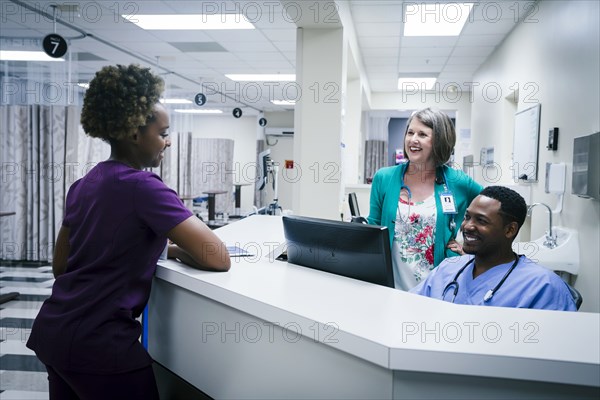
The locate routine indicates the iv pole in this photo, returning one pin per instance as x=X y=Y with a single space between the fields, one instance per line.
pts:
x=274 y=172
x=270 y=172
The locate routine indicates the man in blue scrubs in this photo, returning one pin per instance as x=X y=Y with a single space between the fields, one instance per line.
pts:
x=491 y=274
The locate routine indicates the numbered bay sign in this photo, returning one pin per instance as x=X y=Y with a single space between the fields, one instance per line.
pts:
x=262 y=122
x=54 y=45
x=200 y=99
x=237 y=112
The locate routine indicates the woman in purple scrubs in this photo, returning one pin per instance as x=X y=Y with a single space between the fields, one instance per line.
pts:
x=116 y=224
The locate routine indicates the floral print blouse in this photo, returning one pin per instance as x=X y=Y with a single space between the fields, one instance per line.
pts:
x=412 y=249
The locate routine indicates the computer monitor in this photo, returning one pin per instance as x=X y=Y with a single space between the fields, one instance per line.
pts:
x=353 y=203
x=356 y=251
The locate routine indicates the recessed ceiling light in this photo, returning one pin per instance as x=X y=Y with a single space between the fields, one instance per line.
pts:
x=405 y=83
x=175 y=101
x=189 y=21
x=262 y=77
x=283 y=102
x=435 y=19
x=192 y=111
x=9 y=55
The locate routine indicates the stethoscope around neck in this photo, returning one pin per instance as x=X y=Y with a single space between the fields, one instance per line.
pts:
x=490 y=293
x=439 y=180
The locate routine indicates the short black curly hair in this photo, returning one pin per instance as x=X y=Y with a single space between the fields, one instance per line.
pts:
x=512 y=204
x=119 y=101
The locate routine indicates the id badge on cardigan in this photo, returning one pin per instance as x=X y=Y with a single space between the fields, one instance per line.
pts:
x=448 y=205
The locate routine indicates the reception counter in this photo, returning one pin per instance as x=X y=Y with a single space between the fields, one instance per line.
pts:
x=271 y=330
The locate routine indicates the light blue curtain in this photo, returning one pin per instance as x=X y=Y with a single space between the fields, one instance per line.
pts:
x=212 y=169
x=43 y=151
x=376 y=145
x=32 y=139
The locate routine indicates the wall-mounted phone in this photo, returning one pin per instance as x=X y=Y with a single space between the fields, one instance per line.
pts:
x=552 y=139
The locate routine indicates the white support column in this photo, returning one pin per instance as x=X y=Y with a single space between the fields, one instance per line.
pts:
x=321 y=76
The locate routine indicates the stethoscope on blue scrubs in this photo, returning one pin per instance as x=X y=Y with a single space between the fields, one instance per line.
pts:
x=490 y=293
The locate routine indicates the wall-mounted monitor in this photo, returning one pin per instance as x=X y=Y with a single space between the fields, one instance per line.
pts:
x=358 y=251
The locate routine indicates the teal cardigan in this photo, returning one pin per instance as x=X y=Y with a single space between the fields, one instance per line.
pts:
x=385 y=191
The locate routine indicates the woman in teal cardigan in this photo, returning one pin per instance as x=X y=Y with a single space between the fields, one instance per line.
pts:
x=422 y=201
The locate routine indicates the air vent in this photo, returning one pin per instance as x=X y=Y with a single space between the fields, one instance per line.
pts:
x=198 y=47
x=279 y=132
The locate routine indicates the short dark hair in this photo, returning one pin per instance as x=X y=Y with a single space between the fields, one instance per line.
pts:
x=120 y=100
x=512 y=204
x=444 y=134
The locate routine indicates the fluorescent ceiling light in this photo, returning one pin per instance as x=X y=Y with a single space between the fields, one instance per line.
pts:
x=175 y=101
x=435 y=19
x=416 y=83
x=283 y=102
x=262 y=77
x=9 y=55
x=193 y=111
x=189 y=21
x=84 y=85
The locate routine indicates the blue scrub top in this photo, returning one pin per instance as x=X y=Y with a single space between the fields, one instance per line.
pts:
x=529 y=285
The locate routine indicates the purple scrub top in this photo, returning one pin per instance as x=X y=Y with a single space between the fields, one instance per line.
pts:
x=118 y=218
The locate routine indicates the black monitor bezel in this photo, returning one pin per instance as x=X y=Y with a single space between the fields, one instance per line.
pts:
x=382 y=276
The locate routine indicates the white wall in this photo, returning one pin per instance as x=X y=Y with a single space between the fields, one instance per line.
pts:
x=554 y=61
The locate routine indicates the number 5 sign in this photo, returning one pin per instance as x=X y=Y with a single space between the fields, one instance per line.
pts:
x=54 y=45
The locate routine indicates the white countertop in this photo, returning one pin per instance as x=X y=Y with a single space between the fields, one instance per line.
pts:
x=391 y=328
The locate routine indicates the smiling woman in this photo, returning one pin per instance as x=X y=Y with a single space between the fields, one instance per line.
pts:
x=116 y=224
x=422 y=201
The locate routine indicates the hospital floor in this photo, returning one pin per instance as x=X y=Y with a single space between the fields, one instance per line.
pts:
x=22 y=375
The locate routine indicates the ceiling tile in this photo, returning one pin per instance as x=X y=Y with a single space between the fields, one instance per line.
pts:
x=423 y=69
x=373 y=61
x=379 y=42
x=280 y=35
x=366 y=29
x=488 y=28
x=198 y=47
x=245 y=47
x=380 y=52
x=381 y=68
x=377 y=13
x=437 y=61
x=470 y=68
x=286 y=46
x=429 y=41
x=425 y=51
x=473 y=51
x=261 y=56
x=455 y=60
x=480 y=40
x=246 y=35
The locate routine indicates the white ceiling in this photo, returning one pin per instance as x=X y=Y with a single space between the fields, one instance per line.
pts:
x=189 y=59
